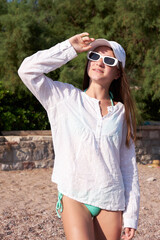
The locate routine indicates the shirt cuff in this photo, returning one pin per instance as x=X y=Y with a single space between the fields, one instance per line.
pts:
x=71 y=52
x=130 y=223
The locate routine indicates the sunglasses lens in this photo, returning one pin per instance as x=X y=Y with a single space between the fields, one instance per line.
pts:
x=94 y=56
x=109 y=61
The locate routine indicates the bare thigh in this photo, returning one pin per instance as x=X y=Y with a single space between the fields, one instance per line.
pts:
x=108 y=225
x=77 y=220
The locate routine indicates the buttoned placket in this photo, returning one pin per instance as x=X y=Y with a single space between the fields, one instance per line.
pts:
x=100 y=121
x=98 y=126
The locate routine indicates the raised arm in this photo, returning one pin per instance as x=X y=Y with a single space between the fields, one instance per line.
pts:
x=32 y=70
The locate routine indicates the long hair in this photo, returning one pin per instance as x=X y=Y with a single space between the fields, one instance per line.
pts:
x=121 y=93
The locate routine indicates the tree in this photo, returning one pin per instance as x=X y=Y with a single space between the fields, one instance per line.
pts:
x=139 y=26
x=21 y=35
x=27 y=26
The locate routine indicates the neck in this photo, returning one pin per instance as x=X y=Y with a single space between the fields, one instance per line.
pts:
x=98 y=91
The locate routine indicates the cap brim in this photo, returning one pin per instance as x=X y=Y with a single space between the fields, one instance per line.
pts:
x=99 y=42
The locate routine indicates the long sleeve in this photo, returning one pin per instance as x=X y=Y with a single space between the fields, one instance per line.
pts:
x=131 y=183
x=32 y=72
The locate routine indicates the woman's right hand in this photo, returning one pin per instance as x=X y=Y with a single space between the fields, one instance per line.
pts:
x=81 y=42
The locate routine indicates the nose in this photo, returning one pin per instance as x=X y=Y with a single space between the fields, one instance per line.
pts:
x=100 y=62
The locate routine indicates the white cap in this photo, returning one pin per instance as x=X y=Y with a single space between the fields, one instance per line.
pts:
x=116 y=47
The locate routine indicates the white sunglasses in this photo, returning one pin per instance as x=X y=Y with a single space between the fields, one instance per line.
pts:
x=109 y=61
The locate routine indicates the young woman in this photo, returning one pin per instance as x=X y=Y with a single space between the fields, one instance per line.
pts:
x=93 y=134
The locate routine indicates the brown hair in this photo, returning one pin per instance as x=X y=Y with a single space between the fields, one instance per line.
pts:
x=121 y=93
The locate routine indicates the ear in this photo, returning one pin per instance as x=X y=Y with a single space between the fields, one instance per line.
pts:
x=117 y=74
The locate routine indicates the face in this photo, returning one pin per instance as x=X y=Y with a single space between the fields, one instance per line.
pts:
x=100 y=72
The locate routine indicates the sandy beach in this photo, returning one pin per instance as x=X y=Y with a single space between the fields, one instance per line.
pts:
x=28 y=199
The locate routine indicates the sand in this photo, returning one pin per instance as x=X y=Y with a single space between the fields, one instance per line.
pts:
x=28 y=199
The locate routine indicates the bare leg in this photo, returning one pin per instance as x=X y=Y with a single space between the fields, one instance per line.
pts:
x=77 y=220
x=108 y=225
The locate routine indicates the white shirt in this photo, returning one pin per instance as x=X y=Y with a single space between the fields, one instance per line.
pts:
x=92 y=163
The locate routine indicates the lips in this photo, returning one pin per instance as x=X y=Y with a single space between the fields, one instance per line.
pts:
x=98 y=70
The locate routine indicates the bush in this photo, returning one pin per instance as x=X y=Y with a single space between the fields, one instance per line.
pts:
x=21 y=111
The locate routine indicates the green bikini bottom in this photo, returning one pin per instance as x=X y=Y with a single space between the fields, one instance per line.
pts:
x=59 y=208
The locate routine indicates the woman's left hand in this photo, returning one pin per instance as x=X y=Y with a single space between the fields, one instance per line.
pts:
x=81 y=42
x=128 y=233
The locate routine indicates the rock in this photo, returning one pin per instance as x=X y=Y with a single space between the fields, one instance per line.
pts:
x=156 y=162
x=151 y=179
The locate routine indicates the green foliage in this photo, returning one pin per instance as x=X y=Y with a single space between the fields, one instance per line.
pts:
x=71 y=73
x=3 y=7
x=21 y=111
x=139 y=30
x=27 y=26
x=21 y=35
x=151 y=83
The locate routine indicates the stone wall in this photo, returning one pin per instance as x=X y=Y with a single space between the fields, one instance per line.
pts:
x=148 y=144
x=34 y=149
x=24 y=152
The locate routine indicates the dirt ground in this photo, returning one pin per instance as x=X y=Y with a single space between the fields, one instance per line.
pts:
x=28 y=199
